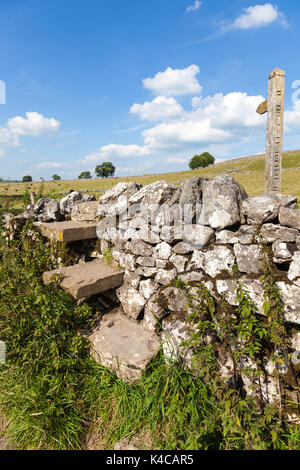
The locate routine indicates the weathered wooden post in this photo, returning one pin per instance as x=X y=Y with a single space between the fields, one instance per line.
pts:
x=275 y=108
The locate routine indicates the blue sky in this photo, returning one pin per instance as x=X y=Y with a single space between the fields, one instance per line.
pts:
x=144 y=84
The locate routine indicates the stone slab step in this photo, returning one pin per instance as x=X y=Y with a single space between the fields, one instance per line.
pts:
x=69 y=230
x=86 y=279
x=123 y=345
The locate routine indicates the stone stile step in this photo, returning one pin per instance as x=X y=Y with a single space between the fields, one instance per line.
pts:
x=123 y=345
x=69 y=230
x=86 y=279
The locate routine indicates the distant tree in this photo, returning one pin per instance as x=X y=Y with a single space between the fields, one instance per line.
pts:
x=105 y=170
x=56 y=177
x=85 y=175
x=27 y=178
x=201 y=161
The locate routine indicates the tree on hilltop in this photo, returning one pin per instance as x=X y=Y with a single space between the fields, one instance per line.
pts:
x=27 y=178
x=105 y=170
x=201 y=161
x=85 y=175
x=56 y=177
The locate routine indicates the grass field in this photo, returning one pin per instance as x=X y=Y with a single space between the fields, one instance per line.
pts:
x=249 y=171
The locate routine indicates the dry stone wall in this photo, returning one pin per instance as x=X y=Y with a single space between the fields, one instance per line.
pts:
x=204 y=232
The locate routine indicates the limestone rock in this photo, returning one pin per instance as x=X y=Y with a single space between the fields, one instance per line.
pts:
x=148 y=261
x=146 y=272
x=140 y=248
x=272 y=233
x=294 y=270
x=157 y=306
x=155 y=193
x=183 y=248
x=248 y=258
x=147 y=288
x=85 y=211
x=171 y=234
x=116 y=200
x=21 y=219
x=155 y=310
x=177 y=330
x=265 y=207
x=52 y=211
x=175 y=300
x=191 y=197
x=88 y=198
x=8 y=220
x=123 y=346
x=161 y=263
x=48 y=210
x=127 y=261
x=198 y=236
x=67 y=203
x=291 y=299
x=244 y=235
x=192 y=276
x=295 y=340
x=217 y=260
x=283 y=252
x=165 y=277
x=290 y=217
x=227 y=289
x=132 y=279
x=264 y=388
x=222 y=201
x=149 y=235
x=179 y=262
x=163 y=251
x=132 y=301
x=107 y=229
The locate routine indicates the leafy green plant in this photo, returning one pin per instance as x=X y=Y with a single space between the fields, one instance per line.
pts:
x=107 y=256
x=26 y=197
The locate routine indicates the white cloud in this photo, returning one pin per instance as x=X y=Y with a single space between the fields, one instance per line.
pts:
x=175 y=82
x=176 y=160
x=34 y=124
x=53 y=165
x=117 y=151
x=258 y=16
x=195 y=6
x=234 y=110
x=8 y=138
x=196 y=101
x=216 y=119
x=2 y=153
x=159 y=109
x=216 y=123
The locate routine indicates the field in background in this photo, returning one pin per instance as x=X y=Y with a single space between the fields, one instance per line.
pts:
x=249 y=171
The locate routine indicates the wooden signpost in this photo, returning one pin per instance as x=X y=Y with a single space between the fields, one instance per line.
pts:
x=274 y=106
